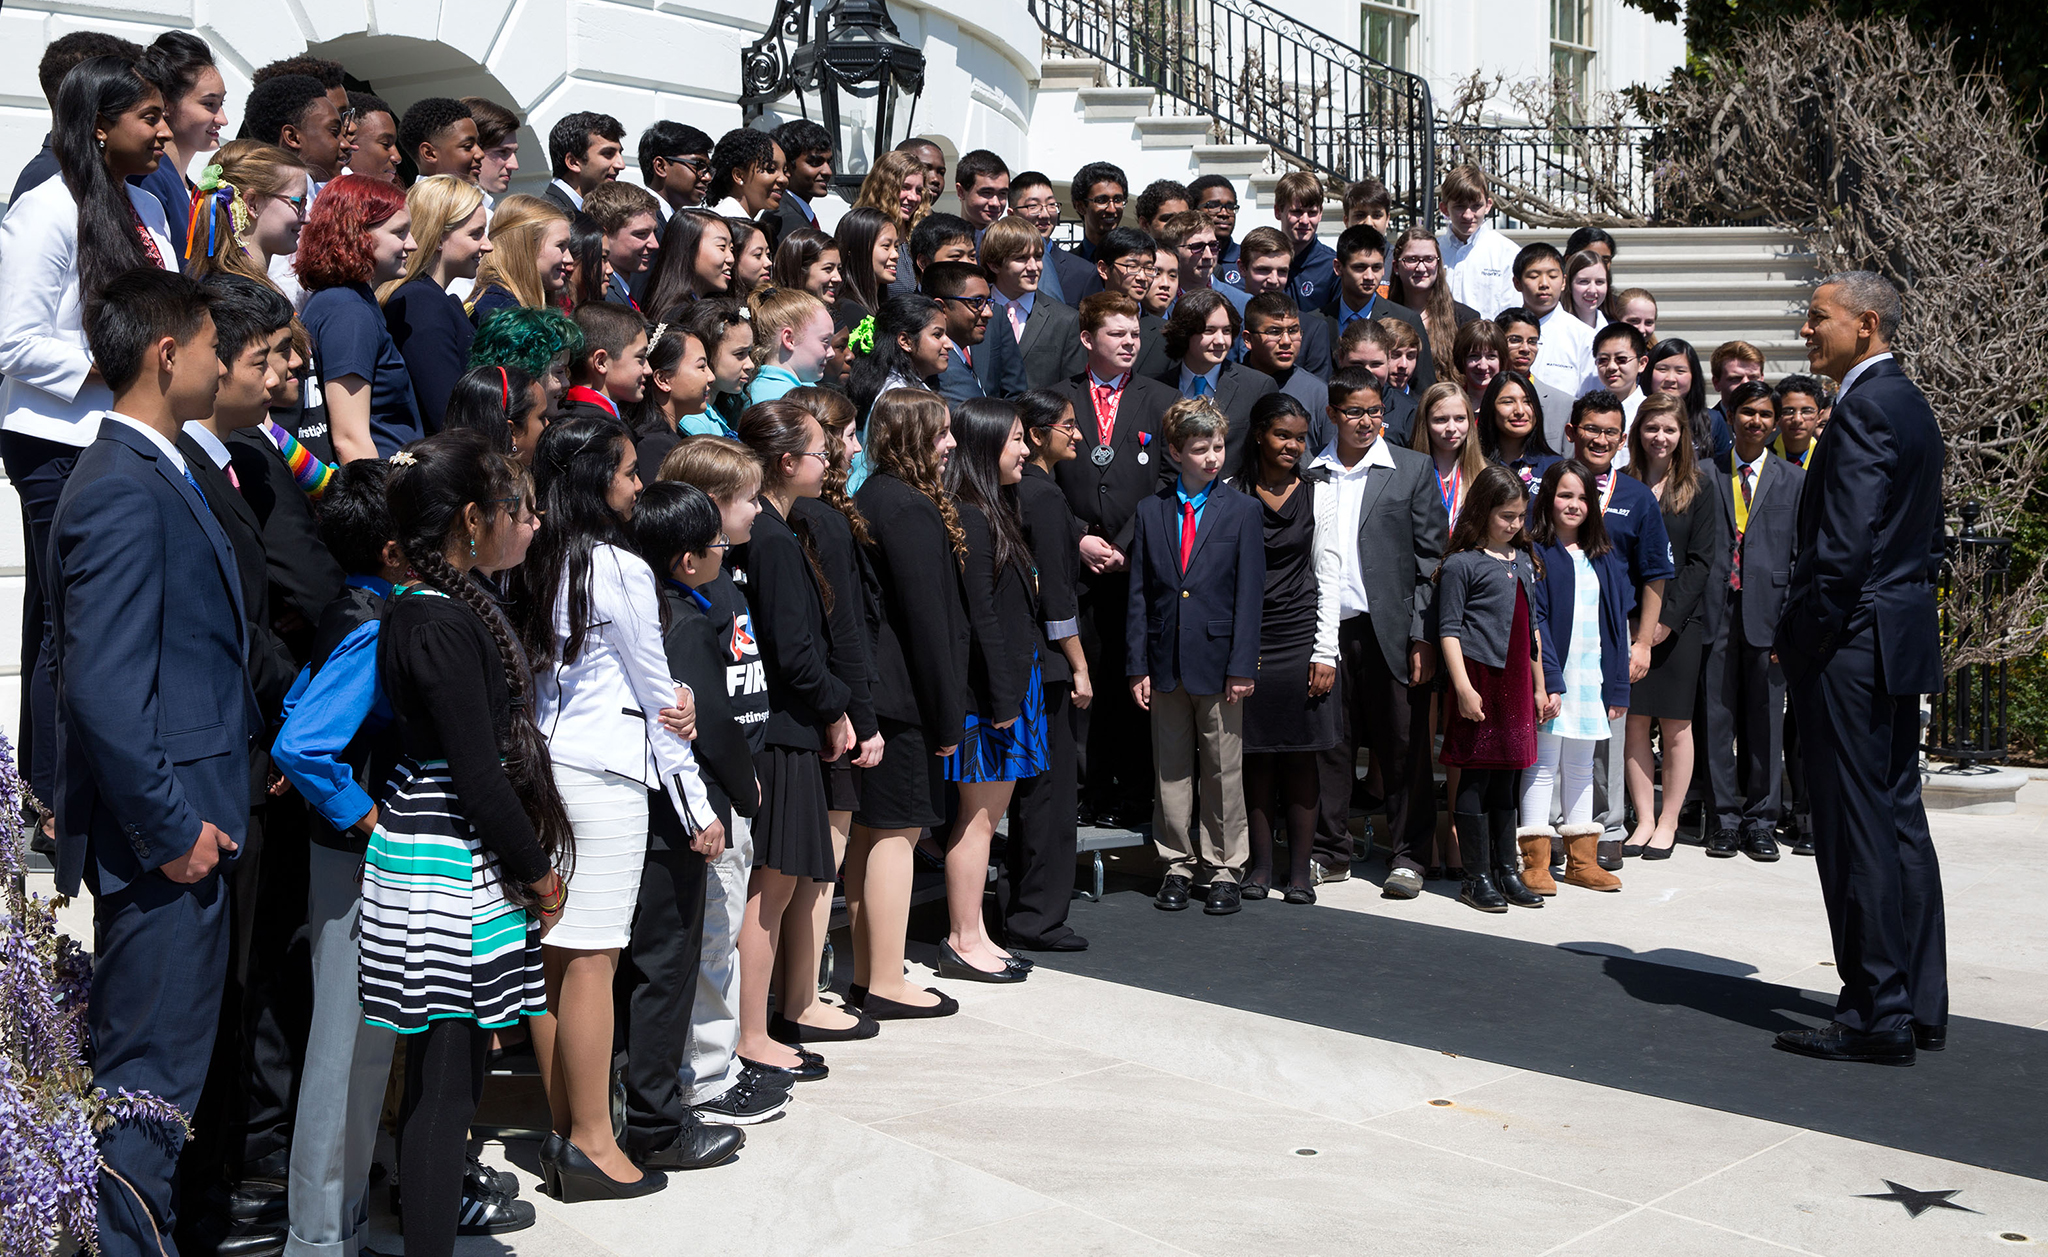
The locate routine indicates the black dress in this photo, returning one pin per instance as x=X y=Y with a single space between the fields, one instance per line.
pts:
x=1669 y=689
x=1280 y=715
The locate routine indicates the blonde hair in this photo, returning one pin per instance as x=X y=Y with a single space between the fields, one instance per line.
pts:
x=1007 y=239
x=1617 y=305
x=438 y=205
x=720 y=466
x=1682 y=478
x=1470 y=457
x=254 y=170
x=518 y=225
x=879 y=191
x=771 y=310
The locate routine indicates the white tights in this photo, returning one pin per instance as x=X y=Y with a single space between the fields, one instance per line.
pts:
x=1564 y=765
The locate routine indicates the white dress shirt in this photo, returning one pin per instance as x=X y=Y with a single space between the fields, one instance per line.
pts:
x=1481 y=270
x=1346 y=494
x=1629 y=406
x=575 y=198
x=1564 y=354
x=42 y=318
x=1856 y=372
x=602 y=713
x=163 y=447
x=1756 y=472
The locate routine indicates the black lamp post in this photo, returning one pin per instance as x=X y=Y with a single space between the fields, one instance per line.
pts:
x=853 y=49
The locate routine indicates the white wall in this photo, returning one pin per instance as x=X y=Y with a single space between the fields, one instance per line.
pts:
x=545 y=58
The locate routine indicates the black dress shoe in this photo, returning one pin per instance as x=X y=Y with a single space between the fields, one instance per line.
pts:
x=1659 y=853
x=1173 y=893
x=891 y=1010
x=783 y=1030
x=1084 y=814
x=1722 y=844
x=809 y=1067
x=1758 y=845
x=1069 y=941
x=571 y=1177
x=1223 y=899
x=699 y=1146
x=1837 y=1042
x=953 y=965
x=1802 y=844
x=267 y=1241
x=1930 y=1038
x=1607 y=854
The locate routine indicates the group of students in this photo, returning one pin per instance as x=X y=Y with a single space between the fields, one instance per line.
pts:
x=593 y=580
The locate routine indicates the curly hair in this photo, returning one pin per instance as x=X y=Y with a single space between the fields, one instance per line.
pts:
x=527 y=338
x=882 y=190
x=903 y=433
x=334 y=249
x=739 y=153
x=834 y=413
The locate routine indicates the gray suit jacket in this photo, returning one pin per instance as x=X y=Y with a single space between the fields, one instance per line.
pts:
x=1556 y=405
x=1401 y=538
x=1052 y=342
x=1768 y=546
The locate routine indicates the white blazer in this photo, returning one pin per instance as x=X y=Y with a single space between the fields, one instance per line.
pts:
x=602 y=713
x=42 y=329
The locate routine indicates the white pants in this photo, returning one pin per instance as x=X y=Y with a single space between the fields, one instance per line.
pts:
x=1564 y=766
x=711 y=1060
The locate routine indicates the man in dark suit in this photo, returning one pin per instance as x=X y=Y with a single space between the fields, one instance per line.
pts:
x=1859 y=643
x=1198 y=579
x=1122 y=462
x=1361 y=260
x=807 y=156
x=584 y=150
x=1388 y=499
x=1126 y=262
x=627 y=214
x=1756 y=493
x=1199 y=338
x=1047 y=331
x=153 y=728
x=984 y=361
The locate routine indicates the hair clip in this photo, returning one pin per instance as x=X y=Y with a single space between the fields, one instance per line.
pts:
x=505 y=386
x=403 y=458
x=654 y=338
x=862 y=338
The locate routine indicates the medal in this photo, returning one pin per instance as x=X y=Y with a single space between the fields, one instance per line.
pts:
x=1143 y=458
x=1103 y=454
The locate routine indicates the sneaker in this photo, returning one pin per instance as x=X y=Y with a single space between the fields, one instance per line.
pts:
x=1402 y=884
x=749 y=1100
x=1319 y=873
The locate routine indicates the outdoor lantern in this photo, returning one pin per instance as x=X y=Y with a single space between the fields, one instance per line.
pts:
x=854 y=49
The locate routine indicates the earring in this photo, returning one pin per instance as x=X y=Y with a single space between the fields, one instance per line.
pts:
x=103 y=145
x=472 y=547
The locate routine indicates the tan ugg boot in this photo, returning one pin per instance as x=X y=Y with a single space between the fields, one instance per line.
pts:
x=1535 y=844
x=1582 y=858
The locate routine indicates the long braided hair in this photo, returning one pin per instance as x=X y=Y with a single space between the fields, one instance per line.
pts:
x=429 y=487
x=903 y=434
x=834 y=413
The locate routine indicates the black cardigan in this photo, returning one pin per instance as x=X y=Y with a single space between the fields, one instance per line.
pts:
x=804 y=698
x=697 y=657
x=1054 y=536
x=441 y=670
x=852 y=581
x=921 y=650
x=1002 y=619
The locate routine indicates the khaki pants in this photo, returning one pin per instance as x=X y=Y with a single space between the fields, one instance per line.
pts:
x=1192 y=732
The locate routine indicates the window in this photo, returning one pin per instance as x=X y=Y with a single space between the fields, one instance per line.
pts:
x=1386 y=32
x=1571 y=47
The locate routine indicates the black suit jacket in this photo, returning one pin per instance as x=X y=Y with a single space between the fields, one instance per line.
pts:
x=303 y=576
x=1399 y=416
x=561 y=198
x=153 y=708
x=1051 y=343
x=1078 y=277
x=1768 y=547
x=1105 y=498
x=1237 y=387
x=1425 y=369
x=1402 y=531
x=1152 y=360
x=921 y=647
x=1054 y=536
x=998 y=369
x=271 y=666
x=1870 y=535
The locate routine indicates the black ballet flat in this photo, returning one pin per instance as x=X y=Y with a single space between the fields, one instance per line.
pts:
x=783 y=1030
x=1300 y=894
x=952 y=965
x=570 y=1177
x=882 y=1009
x=810 y=1067
x=1254 y=890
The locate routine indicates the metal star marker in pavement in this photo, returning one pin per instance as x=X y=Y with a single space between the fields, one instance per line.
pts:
x=1916 y=1202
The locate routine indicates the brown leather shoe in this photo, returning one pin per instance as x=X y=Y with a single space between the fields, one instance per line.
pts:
x=1582 y=860
x=1535 y=843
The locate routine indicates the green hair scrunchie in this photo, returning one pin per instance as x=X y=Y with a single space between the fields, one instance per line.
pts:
x=862 y=338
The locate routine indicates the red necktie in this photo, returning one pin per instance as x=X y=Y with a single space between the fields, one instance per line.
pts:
x=1187 y=533
x=1748 y=495
x=967 y=356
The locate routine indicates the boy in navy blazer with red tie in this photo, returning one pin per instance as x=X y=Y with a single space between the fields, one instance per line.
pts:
x=1198 y=579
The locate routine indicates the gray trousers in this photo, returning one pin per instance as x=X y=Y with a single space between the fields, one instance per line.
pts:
x=1610 y=782
x=341 y=1091
x=711 y=1062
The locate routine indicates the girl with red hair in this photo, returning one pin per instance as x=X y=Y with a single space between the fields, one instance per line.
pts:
x=357 y=237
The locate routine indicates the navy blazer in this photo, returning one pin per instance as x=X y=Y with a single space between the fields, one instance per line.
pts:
x=1552 y=616
x=1195 y=629
x=998 y=369
x=1870 y=535
x=1076 y=276
x=153 y=704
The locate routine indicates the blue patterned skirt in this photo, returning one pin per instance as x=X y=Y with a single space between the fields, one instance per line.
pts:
x=990 y=754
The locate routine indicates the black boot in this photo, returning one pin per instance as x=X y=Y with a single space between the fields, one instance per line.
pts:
x=1475 y=848
x=1507 y=862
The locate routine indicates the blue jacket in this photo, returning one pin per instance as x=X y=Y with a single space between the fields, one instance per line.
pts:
x=323 y=714
x=154 y=711
x=1635 y=524
x=1196 y=629
x=1553 y=618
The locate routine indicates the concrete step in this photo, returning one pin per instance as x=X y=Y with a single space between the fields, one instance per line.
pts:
x=1108 y=104
x=1173 y=130
x=1233 y=161
x=1066 y=74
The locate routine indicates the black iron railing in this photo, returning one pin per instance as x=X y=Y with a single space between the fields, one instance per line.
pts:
x=1265 y=79
x=1969 y=724
x=1577 y=172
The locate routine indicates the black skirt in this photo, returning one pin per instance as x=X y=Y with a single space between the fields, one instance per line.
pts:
x=842 y=783
x=905 y=790
x=792 y=833
x=1668 y=690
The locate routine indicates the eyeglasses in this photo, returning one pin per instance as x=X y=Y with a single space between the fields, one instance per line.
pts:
x=348 y=116
x=1201 y=246
x=1109 y=202
x=976 y=304
x=1214 y=207
x=1599 y=436
x=821 y=455
x=1137 y=270
x=1355 y=413
x=723 y=543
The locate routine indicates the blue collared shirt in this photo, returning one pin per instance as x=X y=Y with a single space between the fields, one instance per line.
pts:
x=324 y=713
x=1187 y=382
x=1200 y=501
x=1345 y=314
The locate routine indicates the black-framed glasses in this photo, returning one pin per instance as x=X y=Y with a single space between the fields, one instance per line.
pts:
x=1213 y=207
x=1355 y=413
x=700 y=165
x=1202 y=246
x=976 y=304
x=1137 y=270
